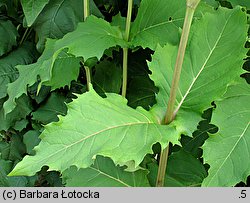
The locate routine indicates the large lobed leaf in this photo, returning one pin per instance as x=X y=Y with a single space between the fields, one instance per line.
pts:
x=228 y=151
x=213 y=59
x=96 y=126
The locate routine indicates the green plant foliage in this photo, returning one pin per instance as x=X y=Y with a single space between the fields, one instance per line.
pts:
x=14 y=150
x=191 y=175
x=22 y=109
x=103 y=173
x=86 y=141
x=91 y=39
x=61 y=125
x=32 y=8
x=5 y=181
x=168 y=18
x=58 y=18
x=147 y=31
x=48 y=112
x=206 y=62
x=232 y=115
x=24 y=55
x=31 y=139
x=142 y=92
x=8 y=30
x=245 y=3
x=107 y=78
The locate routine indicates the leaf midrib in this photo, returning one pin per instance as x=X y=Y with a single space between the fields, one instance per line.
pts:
x=93 y=134
x=203 y=66
x=156 y=25
x=109 y=176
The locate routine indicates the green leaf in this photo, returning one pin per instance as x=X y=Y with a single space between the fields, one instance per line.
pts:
x=5 y=167
x=213 y=3
x=31 y=139
x=21 y=124
x=48 y=112
x=245 y=3
x=58 y=18
x=64 y=63
x=5 y=181
x=91 y=39
x=160 y=22
x=27 y=76
x=141 y=92
x=216 y=50
x=32 y=8
x=228 y=151
x=107 y=78
x=14 y=150
x=8 y=73
x=127 y=135
x=183 y=170
x=22 y=109
x=156 y=19
x=9 y=31
x=104 y=173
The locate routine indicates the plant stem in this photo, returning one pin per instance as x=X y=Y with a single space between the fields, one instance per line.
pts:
x=87 y=69
x=88 y=76
x=86 y=9
x=190 y=9
x=24 y=36
x=125 y=50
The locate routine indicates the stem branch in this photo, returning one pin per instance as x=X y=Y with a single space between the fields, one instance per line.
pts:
x=125 y=50
x=86 y=9
x=87 y=69
x=190 y=9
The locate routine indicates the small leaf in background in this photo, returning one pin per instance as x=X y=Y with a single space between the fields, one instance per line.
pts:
x=245 y=3
x=183 y=170
x=5 y=181
x=58 y=18
x=31 y=139
x=193 y=144
x=107 y=78
x=32 y=8
x=8 y=35
x=22 y=109
x=48 y=112
x=65 y=63
x=8 y=73
x=228 y=151
x=141 y=92
x=21 y=124
x=14 y=150
x=104 y=173
x=141 y=89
